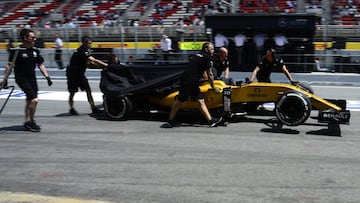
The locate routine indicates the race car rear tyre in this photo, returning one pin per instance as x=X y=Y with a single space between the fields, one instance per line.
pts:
x=117 y=107
x=293 y=108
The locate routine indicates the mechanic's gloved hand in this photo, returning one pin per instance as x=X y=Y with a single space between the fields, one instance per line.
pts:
x=49 y=82
x=294 y=82
x=217 y=90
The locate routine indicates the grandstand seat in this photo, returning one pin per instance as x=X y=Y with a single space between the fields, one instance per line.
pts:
x=29 y=12
x=253 y=6
x=178 y=11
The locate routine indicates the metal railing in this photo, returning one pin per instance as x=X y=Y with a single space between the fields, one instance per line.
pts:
x=329 y=31
x=153 y=33
x=328 y=60
x=117 y=34
x=305 y=63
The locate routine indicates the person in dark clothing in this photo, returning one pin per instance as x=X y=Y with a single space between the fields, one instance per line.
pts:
x=267 y=65
x=26 y=58
x=190 y=82
x=222 y=65
x=75 y=74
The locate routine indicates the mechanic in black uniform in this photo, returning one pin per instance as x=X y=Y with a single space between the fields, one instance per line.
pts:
x=222 y=64
x=268 y=64
x=75 y=74
x=26 y=58
x=190 y=82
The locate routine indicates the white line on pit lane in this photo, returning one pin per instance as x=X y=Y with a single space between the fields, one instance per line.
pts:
x=51 y=95
x=81 y=96
x=350 y=105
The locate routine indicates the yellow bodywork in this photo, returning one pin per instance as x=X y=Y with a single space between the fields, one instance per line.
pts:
x=253 y=92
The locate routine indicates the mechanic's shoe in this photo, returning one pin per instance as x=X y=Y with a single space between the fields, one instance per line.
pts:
x=32 y=126
x=170 y=124
x=96 y=111
x=72 y=111
x=27 y=125
x=214 y=122
x=35 y=126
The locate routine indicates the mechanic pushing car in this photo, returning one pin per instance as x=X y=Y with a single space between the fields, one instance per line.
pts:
x=75 y=74
x=266 y=65
x=190 y=82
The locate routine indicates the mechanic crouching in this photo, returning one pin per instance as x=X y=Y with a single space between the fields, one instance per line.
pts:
x=190 y=82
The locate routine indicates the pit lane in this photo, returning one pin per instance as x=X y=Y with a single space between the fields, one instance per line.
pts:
x=85 y=157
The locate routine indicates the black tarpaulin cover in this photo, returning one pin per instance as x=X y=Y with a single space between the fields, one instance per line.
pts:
x=121 y=79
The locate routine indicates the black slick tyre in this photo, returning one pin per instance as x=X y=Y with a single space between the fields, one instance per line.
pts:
x=117 y=107
x=293 y=108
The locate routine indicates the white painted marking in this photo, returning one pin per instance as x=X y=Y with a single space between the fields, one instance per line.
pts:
x=6 y=197
x=52 y=95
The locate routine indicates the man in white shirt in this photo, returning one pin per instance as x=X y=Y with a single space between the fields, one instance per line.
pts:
x=280 y=41
x=259 y=40
x=240 y=40
x=58 y=51
x=220 y=41
x=165 y=47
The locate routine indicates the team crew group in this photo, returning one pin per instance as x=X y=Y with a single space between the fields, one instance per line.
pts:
x=25 y=58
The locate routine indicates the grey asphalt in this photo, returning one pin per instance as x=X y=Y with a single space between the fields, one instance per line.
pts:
x=137 y=161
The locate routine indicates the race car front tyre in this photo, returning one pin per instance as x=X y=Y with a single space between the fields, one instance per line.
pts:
x=117 y=107
x=293 y=108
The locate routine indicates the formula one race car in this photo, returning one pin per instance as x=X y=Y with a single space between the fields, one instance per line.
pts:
x=137 y=88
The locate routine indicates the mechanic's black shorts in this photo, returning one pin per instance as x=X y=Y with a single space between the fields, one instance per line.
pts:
x=191 y=90
x=75 y=81
x=28 y=86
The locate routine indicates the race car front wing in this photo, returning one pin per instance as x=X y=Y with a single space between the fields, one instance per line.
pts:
x=329 y=116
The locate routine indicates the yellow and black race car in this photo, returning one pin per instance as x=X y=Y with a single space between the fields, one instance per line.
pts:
x=139 y=88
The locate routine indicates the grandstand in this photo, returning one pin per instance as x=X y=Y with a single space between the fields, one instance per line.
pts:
x=86 y=13
x=28 y=12
x=171 y=15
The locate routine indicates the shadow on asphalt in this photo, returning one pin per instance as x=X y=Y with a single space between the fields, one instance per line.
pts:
x=12 y=128
x=325 y=132
x=195 y=119
x=68 y=114
x=281 y=130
